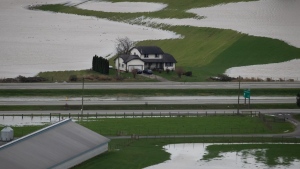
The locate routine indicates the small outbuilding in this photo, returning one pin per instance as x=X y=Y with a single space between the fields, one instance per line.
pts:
x=7 y=134
x=61 y=145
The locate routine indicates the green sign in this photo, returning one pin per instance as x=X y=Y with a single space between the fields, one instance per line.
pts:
x=247 y=93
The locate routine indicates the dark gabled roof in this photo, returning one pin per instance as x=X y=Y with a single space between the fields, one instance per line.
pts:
x=128 y=58
x=167 y=58
x=149 y=50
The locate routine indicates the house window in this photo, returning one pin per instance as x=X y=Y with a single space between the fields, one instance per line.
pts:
x=156 y=55
x=122 y=65
x=169 y=64
x=146 y=55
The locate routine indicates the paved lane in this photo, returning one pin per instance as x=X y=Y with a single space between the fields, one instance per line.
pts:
x=151 y=85
x=142 y=100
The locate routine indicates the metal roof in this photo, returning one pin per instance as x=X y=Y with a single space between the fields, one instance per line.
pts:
x=50 y=146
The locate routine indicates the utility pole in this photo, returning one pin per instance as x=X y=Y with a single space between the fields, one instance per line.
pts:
x=82 y=96
x=238 y=106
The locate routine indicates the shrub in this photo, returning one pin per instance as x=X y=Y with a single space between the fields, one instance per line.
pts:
x=189 y=73
x=73 y=78
x=225 y=77
x=168 y=70
x=24 y=79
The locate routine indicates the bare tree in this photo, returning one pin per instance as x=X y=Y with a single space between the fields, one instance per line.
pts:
x=179 y=71
x=134 y=72
x=123 y=46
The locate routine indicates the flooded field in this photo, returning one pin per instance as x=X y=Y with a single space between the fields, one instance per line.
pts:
x=190 y=156
x=35 y=41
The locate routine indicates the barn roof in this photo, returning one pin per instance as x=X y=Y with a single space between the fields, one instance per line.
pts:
x=51 y=146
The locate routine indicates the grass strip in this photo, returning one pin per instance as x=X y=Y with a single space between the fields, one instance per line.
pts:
x=144 y=92
x=182 y=125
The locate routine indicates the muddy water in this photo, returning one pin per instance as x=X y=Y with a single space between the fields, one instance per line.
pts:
x=189 y=156
x=35 y=41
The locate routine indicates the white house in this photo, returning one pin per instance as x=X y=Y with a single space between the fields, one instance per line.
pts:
x=145 y=57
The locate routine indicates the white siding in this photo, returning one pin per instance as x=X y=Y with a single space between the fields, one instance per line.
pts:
x=169 y=67
x=151 y=56
x=122 y=64
x=135 y=52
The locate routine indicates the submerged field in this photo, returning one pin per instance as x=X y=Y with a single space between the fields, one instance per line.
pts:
x=204 y=51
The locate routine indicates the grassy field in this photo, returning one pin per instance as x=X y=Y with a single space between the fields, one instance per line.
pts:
x=161 y=126
x=185 y=126
x=207 y=51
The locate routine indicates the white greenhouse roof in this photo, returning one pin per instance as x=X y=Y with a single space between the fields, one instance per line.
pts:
x=51 y=146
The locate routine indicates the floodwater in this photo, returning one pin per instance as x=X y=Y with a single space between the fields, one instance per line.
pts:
x=124 y=7
x=35 y=41
x=189 y=156
x=28 y=120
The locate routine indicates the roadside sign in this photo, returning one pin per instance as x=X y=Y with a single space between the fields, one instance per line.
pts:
x=247 y=93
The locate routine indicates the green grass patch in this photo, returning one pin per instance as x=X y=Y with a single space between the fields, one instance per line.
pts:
x=185 y=125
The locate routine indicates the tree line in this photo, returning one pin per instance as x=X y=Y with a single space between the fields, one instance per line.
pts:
x=100 y=65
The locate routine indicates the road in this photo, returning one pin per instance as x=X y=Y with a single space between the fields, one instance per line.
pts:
x=152 y=85
x=180 y=100
x=155 y=112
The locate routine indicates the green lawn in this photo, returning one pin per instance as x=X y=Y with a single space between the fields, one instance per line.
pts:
x=204 y=51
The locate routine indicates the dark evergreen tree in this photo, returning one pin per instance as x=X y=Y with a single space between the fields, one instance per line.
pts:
x=100 y=65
